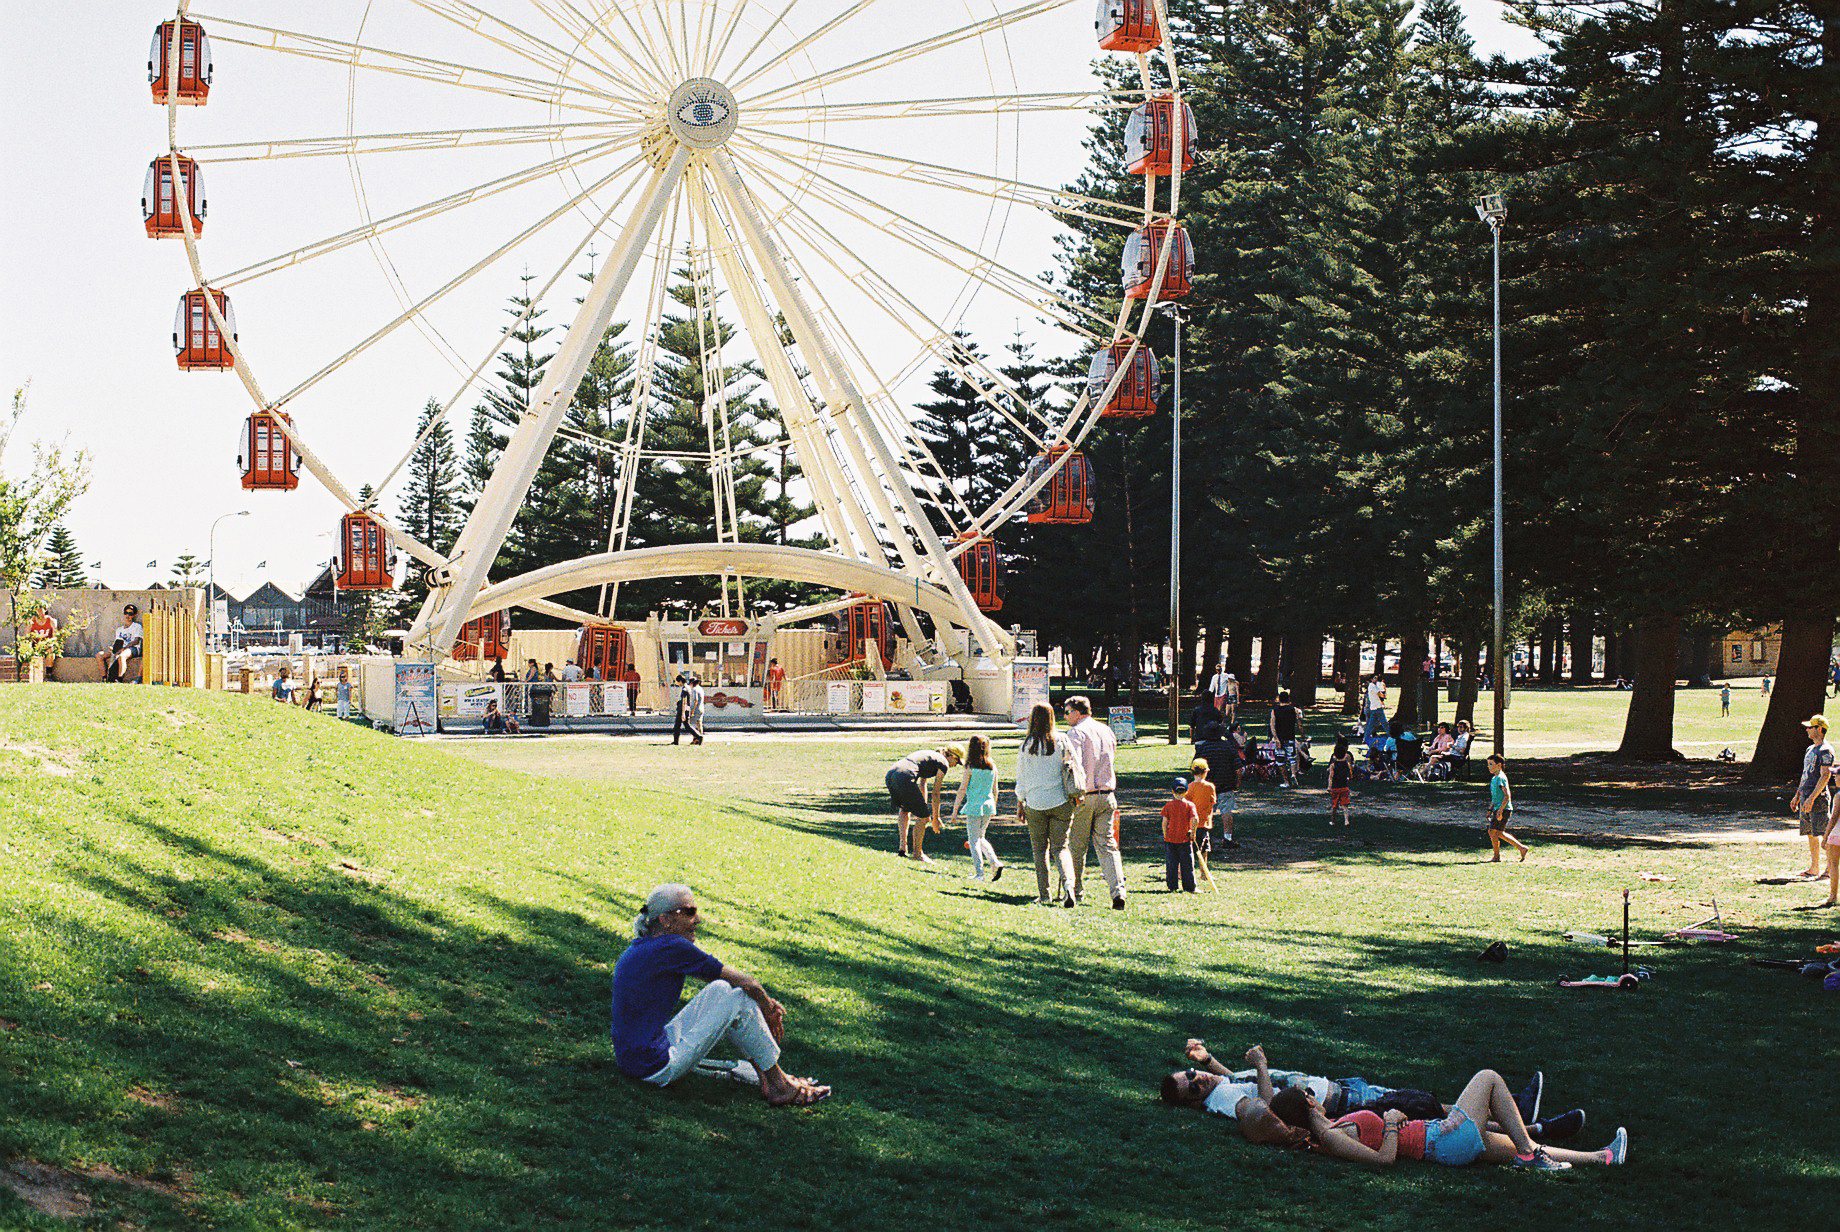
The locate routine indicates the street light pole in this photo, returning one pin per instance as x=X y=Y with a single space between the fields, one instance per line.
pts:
x=211 y=566
x=1175 y=534
x=1492 y=210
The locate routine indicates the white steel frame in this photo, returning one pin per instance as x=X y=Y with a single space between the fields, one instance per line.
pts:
x=610 y=73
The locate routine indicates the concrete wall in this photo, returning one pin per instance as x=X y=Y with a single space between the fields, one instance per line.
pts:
x=88 y=619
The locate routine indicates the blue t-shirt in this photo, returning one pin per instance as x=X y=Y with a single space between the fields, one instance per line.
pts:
x=980 y=800
x=648 y=982
x=1498 y=789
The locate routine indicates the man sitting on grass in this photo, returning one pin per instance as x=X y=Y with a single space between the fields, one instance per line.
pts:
x=1245 y=1098
x=656 y=1045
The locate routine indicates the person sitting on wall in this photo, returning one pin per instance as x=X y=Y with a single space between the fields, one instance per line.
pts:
x=42 y=629
x=497 y=722
x=124 y=646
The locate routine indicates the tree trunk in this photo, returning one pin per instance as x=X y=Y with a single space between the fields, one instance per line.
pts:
x=1648 y=733
x=1348 y=663
x=1800 y=689
x=1412 y=649
x=1469 y=662
x=1210 y=655
x=1380 y=657
x=1549 y=652
x=1239 y=652
x=1306 y=666
x=1580 y=629
x=1271 y=656
x=1701 y=675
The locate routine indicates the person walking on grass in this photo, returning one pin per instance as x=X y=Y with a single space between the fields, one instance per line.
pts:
x=655 y=1042
x=1205 y=798
x=1725 y=701
x=1282 y=723
x=1831 y=840
x=1457 y=1140
x=1341 y=779
x=914 y=810
x=1094 y=749
x=1814 y=792
x=976 y=804
x=1043 y=802
x=1179 y=826
x=1501 y=809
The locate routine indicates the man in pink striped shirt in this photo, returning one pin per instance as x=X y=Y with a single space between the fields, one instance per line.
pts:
x=1093 y=750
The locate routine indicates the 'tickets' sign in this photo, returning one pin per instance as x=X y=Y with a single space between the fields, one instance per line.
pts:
x=723 y=628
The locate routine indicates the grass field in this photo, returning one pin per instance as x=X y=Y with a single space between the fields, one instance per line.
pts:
x=262 y=970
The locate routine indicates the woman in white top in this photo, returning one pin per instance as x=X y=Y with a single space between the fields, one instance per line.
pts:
x=1042 y=802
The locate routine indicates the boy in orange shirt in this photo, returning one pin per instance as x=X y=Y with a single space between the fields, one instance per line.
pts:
x=1202 y=795
x=1180 y=822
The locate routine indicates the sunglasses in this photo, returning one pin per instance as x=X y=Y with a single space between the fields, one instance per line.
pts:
x=690 y=911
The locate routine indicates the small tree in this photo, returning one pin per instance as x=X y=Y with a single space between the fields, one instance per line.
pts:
x=188 y=570
x=63 y=567
x=32 y=504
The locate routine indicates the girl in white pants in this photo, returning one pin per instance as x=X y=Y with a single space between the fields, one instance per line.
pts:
x=977 y=803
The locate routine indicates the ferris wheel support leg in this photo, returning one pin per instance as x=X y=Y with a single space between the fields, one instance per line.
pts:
x=477 y=547
x=818 y=347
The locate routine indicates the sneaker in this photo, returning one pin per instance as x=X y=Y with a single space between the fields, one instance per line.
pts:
x=1560 y=1128
x=1540 y=1161
x=1618 y=1150
x=1044 y=902
x=974 y=876
x=997 y=875
x=1118 y=903
x=1529 y=1099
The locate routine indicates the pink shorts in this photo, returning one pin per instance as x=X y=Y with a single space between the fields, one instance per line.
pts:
x=1833 y=837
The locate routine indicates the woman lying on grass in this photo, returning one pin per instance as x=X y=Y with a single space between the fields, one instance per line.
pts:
x=1458 y=1139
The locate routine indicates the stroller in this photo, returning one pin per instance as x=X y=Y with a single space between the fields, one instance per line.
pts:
x=1382 y=760
x=1262 y=764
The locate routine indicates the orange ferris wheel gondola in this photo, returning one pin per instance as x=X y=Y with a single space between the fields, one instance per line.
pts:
x=1067 y=498
x=981 y=565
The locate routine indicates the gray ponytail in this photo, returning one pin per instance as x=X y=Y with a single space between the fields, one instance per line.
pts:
x=662 y=899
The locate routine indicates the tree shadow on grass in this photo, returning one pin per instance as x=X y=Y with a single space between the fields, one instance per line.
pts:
x=339 y=1053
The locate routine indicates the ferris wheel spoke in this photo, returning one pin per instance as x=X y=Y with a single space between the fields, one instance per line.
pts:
x=889 y=221
x=720 y=44
x=914 y=50
x=521 y=43
x=577 y=25
x=941 y=344
x=836 y=23
x=414 y=311
x=977 y=105
x=344 y=145
x=404 y=64
x=421 y=213
x=518 y=322
x=879 y=400
x=985 y=184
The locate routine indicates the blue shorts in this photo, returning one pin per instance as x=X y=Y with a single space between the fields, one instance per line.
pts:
x=1453 y=1141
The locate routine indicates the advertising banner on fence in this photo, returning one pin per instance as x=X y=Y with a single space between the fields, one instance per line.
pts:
x=837 y=696
x=875 y=697
x=415 y=704
x=1028 y=686
x=468 y=701
x=1123 y=722
x=614 y=699
x=916 y=697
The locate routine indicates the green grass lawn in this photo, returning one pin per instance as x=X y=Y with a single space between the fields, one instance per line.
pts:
x=262 y=970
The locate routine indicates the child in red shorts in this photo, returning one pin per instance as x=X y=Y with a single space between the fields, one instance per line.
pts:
x=1341 y=779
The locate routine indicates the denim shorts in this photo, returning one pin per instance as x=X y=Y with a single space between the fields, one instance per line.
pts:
x=1453 y=1141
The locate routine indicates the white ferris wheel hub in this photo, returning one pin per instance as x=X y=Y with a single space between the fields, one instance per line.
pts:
x=702 y=113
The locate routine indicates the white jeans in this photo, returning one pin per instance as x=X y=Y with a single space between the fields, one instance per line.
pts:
x=981 y=850
x=720 y=1013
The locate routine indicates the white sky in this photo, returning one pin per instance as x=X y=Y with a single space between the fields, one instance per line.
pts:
x=88 y=313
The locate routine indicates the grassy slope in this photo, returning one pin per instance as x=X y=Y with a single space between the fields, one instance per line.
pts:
x=405 y=1026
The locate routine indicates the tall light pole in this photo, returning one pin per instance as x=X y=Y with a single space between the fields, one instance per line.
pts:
x=1492 y=210
x=211 y=566
x=1175 y=532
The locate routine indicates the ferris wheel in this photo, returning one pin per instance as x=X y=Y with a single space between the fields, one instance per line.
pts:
x=850 y=179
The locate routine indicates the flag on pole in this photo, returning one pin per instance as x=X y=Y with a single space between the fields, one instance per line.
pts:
x=261 y=564
x=153 y=564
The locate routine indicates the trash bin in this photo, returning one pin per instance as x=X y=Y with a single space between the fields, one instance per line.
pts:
x=542 y=697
